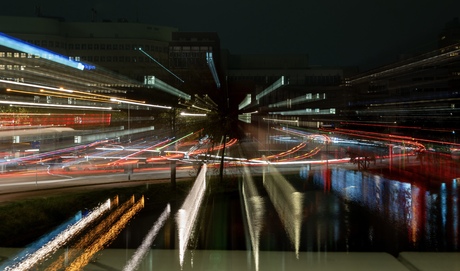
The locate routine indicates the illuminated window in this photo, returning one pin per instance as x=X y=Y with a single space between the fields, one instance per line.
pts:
x=2 y=54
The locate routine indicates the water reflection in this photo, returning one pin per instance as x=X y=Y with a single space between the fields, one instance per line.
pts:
x=111 y=233
x=87 y=239
x=59 y=240
x=427 y=212
x=33 y=247
x=318 y=209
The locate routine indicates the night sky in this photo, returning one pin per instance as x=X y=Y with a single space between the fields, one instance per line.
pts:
x=332 y=32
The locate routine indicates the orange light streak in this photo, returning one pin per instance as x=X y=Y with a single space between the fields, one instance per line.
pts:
x=106 y=238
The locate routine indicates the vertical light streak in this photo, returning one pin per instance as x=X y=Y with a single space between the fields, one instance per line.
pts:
x=60 y=239
x=287 y=201
x=212 y=67
x=187 y=214
x=443 y=193
x=455 y=212
x=255 y=210
x=106 y=238
x=140 y=253
x=91 y=236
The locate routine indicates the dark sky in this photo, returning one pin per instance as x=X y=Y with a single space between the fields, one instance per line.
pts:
x=331 y=32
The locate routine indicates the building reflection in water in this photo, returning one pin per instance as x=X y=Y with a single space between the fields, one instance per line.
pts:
x=426 y=211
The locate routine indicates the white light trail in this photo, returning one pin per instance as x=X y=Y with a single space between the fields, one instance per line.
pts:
x=246 y=101
x=279 y=83
x=287 y=201
x=187 y=214
x=60 y=240
x=161 y=65
x=157 y=83
x=140 y=253
x=192 y=114
x=141 y=104
x=56 y=105
x=255 y=210
x=280 y=120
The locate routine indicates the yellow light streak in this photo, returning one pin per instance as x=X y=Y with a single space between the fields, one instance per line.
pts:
x=60 y=240
x=75 y=96
x=106 y=238
x=59 y=95
x=91 y=235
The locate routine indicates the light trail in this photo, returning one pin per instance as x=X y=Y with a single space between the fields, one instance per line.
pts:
x=285 y=153
x=187 y=214
x=173 y=142
x=60 y=240
x=140 y=253
x=106 y=238
x=28 y=48
x=161 y=65
x=287 y=201
x=32 y=248
x=255 y=210
x=61 y=106
x=136 y=152
x=92 y=235
x=386 y=137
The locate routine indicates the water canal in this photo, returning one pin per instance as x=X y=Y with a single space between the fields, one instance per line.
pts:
x=317 y=209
